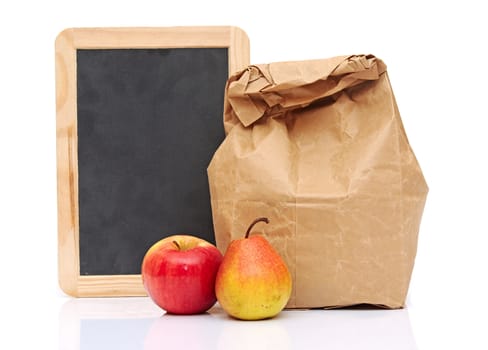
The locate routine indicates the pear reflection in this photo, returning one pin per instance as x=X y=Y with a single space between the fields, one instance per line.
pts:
x=256 y=335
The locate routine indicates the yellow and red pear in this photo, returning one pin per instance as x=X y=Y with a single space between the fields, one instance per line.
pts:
x=253 y=282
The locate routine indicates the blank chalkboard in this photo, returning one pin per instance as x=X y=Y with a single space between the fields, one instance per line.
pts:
x=139 y=116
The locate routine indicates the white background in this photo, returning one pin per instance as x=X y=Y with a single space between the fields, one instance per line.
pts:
x=436 y=57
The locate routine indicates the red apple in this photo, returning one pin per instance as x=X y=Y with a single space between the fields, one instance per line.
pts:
x=178 y=273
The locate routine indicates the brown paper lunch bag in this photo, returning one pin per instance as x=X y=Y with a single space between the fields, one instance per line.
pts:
x=319 y=148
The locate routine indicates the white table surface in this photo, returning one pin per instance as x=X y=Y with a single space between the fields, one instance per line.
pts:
x=136 y=323
x=39 y=317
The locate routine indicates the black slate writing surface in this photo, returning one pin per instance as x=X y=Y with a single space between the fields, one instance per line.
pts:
x=148 y=123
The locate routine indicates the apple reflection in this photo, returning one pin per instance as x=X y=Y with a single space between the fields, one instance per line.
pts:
x=182 y=332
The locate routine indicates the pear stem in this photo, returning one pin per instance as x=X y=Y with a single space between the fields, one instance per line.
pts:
x=177 y=245
x=254 y=223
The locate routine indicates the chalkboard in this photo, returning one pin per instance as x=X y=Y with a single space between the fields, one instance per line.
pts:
x=139 y=116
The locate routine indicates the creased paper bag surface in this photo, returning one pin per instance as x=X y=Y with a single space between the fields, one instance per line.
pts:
x=319 y=148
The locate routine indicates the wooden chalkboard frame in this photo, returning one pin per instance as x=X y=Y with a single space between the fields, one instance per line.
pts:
x=66 y=46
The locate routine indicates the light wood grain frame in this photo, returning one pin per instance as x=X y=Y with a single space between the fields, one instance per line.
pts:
x=67 y=42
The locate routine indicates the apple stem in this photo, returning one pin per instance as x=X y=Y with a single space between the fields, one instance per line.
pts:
x=177 y=245
x=254 y=223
